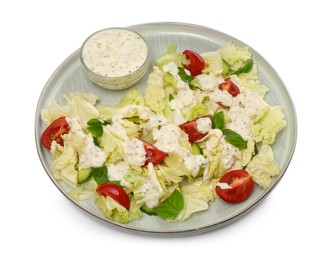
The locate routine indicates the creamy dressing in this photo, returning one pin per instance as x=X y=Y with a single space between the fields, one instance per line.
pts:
x=231 y=156
x=167 y=138
x=151 y=189
x=245 y=107
x=203 y=125
x=154 y=122
x=192 y=162
x=223 y=185
x=116 y=171
x=114 y=52
x=184 y=99
x=134 y=152
x=90 y=155
x=209 y=83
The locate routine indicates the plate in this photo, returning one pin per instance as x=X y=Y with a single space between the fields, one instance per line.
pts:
x=70 y=76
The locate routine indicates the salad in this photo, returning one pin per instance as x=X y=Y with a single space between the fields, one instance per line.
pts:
x=201 y=132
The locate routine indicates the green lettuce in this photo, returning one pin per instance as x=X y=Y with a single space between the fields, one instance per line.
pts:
x=197 y=110
x=266 y=126
x=197 y=196
x=50 y=114
x=114 y=211
x=235 y=56
x=213 y=62
x=250 y=81
x=83 y=105
x=65 y=163
x=171 y=55
x=262 y=168
x=155 y=96
x=133 y=97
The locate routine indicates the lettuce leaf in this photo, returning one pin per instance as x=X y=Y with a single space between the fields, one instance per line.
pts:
x=114 y=211
x=197 y=196
x=65 y=164
x=133 y=97
x=83 y=105
x=262 y=168
x=49 y=115
x=155 y=96
x=235 y=56
x=266 y=127
x=171 y=55
x=213 y=62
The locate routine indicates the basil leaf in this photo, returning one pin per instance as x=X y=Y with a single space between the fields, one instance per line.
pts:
x=245 y=68
x=234 y=139
x=170 y=207
x=100 y=175
x=96 y=141
x=116 y=183
x=218 y=120
x=93 y=122
x=170 y=97
x=184 y=76
x=193 y=84
x=96 y=130
x=95 y=126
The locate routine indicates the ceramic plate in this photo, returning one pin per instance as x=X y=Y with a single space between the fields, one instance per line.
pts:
x=70 y=77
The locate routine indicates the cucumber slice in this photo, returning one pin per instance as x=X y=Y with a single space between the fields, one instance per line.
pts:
x=84 y=175
x=147 y=210
x=196 y=149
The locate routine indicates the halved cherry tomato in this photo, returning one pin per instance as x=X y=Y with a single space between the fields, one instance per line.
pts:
x=191 y=128
x=153 y=154
x=115 y=192
x=230 y=87
x=195 y=63
x=54 y=132
x=241 y=185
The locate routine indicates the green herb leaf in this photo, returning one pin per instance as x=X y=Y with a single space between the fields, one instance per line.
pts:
x=95 y=126
x=170 y=207
x=245 y=68
x=184 y=76
x=93 y=122
x=100 y=175
x=234 y=139
x=218 y=120
x=192 y=82
x=96 y=131
x=96 y=141
x=170 y=97
x=116 y=182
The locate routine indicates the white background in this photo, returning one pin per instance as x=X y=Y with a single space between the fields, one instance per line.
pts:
x=36 y=220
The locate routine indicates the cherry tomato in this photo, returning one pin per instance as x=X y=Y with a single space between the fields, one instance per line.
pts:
x=54 y=132
x=230 y=87
x=195 y=63
x=191 y=129
x=115 y=192
x=241 y=184
x=153 y=154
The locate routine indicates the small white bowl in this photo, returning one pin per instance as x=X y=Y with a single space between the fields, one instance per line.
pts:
x=115 y=58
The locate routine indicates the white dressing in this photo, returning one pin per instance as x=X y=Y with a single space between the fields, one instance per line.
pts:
x=90 y=155
x=134 y=152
